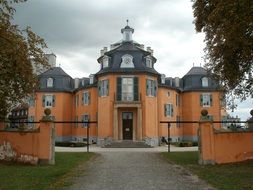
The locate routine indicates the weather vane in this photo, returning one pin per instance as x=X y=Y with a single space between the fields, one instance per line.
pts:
x=127 y=21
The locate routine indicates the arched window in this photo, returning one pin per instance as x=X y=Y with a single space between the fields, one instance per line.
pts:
x=127 y=61
x=205 y=82
x=50 y=82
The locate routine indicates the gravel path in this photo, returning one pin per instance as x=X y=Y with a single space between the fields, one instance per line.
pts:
x=134 y=171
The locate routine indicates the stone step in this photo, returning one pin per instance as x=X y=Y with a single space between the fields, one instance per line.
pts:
x=127 y=144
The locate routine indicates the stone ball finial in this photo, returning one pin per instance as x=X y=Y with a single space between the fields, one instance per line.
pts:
x=47 y=111
x=204 y=112
x=251 y=113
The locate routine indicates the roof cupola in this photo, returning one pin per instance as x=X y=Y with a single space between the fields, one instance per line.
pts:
x=127 y=33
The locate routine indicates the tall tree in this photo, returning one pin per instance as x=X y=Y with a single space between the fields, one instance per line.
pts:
x=20 y=50
x=228 y=28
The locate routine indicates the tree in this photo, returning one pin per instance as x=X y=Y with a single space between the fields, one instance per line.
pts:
x=19 y=51
x=228 y=28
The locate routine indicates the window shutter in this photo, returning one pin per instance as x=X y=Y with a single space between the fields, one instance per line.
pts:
x=165 y=110
x=147 y=87
x=99 y=88
x=82 y=98
x=43 y=100
x=107 y=87
x=88 y=97
x=172 y=110
x=119 y=88
x=201 y=99
x=155 y=91
x=211 y=100
x=53 y=103
x=136 y=91
x=88 y=119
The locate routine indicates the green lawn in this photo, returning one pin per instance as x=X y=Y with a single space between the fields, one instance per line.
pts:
x=15 y=176
x=226 y=177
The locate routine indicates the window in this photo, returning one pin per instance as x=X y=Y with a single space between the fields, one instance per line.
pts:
x=178 y=119
x=48 y=100
x=85 y=118
x=31 y=101
x=206 y=99
x=76 y=124
x=77 y=100
x=86 y=98
x=168 y=110
x=105 y=61
x=168 y=94
x=151 y=87
x=127 y=89
x=148 y=62
x=205 y=82
x=31 y=119
x=103 y=87
x=50 y=82
x=177 y=100
x=127 y=61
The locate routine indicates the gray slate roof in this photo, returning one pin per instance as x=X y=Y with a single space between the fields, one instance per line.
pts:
x=62 y=81
x=197 y=71
x=138 y=60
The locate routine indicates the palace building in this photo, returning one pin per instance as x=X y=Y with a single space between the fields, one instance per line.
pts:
x=127 y=97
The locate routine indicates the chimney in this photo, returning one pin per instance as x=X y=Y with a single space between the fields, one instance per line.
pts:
x=142 y=46
x=149 y=49
x=51 y=59
x=102 y=52
x=76 y=83
x=91 y=77
x=152 y=52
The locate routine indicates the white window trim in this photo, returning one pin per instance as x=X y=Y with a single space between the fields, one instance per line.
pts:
x=50 y=82
x=47 y=95
x=123 y=63
x=106 y=94
x=171 y=110
x=204 y=82
x=88 y=98
x=209 y=99
x=105 y=61
x=149 y=62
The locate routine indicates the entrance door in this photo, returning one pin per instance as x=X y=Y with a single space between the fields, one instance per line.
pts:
x=127 y=121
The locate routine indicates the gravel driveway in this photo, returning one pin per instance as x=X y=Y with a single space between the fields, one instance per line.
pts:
x=134 y=170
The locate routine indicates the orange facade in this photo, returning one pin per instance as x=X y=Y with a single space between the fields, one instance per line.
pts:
x=127 y=97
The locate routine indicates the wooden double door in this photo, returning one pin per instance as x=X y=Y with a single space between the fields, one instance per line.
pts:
x=127 y=122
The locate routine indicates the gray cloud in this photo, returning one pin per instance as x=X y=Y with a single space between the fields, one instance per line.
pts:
x=76 y=31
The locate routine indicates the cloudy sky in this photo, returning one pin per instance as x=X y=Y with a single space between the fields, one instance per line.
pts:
x=76 y=30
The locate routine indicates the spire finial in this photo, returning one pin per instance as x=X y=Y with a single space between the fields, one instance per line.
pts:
x=127 y=21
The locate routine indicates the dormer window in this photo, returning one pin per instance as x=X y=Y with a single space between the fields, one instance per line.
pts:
x=148 y=62
x=50 y=82
x=105 y=61
x=205 y=82
x=127 y=61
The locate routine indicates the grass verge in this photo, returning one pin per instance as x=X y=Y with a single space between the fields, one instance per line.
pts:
x=226 y=177
x=16 y=176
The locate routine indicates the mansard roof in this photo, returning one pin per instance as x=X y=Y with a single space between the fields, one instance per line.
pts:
x=55 y=71
x=62 y=82
x=197 y=71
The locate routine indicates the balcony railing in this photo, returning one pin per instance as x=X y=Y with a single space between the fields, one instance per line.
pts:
x=127 y=97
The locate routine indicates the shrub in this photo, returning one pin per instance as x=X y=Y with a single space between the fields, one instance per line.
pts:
x=70 y=144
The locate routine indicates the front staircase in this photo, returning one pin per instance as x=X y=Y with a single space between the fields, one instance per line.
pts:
x=127 y=144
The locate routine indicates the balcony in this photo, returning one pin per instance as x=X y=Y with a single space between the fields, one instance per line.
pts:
x=127 y=98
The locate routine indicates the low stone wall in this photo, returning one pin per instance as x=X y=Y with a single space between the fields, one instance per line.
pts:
x=32 y=146
x=223 y=146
